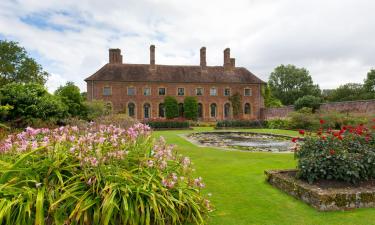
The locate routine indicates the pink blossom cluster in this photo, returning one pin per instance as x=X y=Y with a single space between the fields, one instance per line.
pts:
x=91 y=145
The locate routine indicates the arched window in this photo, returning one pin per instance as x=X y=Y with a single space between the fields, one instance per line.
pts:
x=161 y=110
x=181 y=109
x=247 y=108
x=227 y=110
x=131 y=109
x=146 y=111
x=213 y=108
x=200 y=110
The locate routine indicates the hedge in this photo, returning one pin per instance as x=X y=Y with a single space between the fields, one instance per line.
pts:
x=168 y=124
x=241 y=123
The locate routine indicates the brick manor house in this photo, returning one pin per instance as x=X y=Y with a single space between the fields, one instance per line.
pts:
x=140 y=89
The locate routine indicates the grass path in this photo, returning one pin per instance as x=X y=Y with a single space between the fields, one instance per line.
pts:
x=241 y=195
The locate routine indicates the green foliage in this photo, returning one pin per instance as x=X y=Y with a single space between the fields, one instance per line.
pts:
x=288 y=83
x=269 y=99
x=115 y=177
x=308 y=101
x=241 y=123
x=31 y=100
x=165 y=124
x=191 y=108
x=236 y=101
x=72 y=98
x=95 y=109
x=348 y=92
x=17 y=66
x=303 y=119
x=4 y=110
x=369 y=84
x=171 y=107
x=278 y=123
x=345 y=155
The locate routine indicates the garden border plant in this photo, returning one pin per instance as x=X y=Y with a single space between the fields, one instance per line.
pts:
x=98 y=174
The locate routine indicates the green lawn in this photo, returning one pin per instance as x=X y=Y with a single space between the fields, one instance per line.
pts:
x=241 y=195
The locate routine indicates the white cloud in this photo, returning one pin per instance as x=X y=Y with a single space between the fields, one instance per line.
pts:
x=332 y=39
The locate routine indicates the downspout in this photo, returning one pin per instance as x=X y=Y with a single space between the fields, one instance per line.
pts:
x=92 y=90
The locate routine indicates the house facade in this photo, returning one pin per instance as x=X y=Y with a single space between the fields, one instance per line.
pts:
x=139 y=89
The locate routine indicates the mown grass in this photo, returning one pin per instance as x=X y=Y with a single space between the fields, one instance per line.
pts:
x=241 y=195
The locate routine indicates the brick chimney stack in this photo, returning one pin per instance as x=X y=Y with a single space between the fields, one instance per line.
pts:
x=115 y=56
x=203 y=62
x=233 y=62
x=227 y=61
x=152 y=57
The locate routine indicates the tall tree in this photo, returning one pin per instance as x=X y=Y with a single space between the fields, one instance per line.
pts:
x=191 y=108
x=347 y=92
x=71 y=97
x=17 y=66
x=369 y=84
x=288 y=83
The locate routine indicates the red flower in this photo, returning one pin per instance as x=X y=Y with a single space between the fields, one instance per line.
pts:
x=324 y=137
x=322 y=121
x=302 y=132
x=319 y=133
x=373 y=127
x=340 y=137
x=294 y=140
x=336 y=134
x=332 y=152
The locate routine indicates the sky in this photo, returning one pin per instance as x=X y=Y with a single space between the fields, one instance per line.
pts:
x=333 y=39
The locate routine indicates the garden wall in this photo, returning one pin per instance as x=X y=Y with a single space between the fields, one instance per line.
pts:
x=353 y=107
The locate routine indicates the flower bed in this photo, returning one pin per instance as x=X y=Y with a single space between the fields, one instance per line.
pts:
x=347 y=154
x=96 y=175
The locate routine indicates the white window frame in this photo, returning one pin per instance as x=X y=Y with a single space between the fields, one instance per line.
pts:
x=244 y=91
x=165 y=91
x=135 y=91
x=196 y=91
x=230 y=91
x=215 y=91
x=178 y=93
x=144 y=93
x=110 y=91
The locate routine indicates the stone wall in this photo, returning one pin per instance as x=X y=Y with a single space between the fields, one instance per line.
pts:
x=353 y=107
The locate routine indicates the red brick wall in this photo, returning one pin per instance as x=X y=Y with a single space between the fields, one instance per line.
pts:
x=365 y=107
x=120 y=99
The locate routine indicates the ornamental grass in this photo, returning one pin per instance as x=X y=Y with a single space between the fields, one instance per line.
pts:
x=100 y=174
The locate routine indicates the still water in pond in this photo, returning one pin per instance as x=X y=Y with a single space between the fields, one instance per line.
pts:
x=244 y=141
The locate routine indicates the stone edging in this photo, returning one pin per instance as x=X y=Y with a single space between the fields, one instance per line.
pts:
x=322 y=199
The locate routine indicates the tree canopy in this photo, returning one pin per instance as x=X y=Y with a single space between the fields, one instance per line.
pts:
x=71 y=97
x=17 y=66
x=288 y=83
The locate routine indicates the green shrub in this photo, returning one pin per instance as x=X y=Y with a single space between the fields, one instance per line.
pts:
x=191 y=108
x=165 y=124
x=72 y=98
x=345 y=155
x=337 y=120
x=97 y=175
x=236 y=101
x=95 y=109
x=31 y=101
x=307 y=101
x=171 y=107
x=4 y=110
x=241 y=123
x=304 y=119
x=278 y=124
